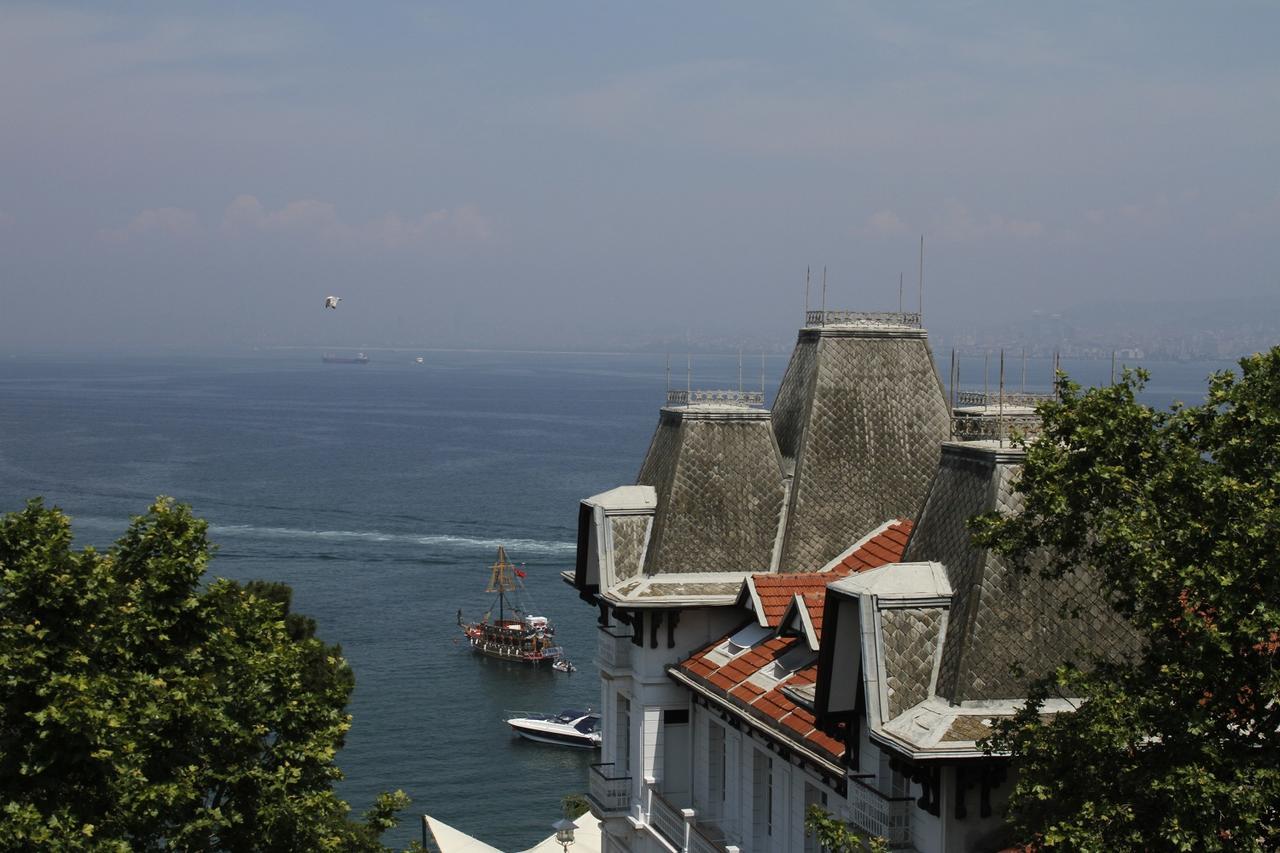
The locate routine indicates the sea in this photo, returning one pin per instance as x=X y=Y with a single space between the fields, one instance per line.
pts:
x=380 y=493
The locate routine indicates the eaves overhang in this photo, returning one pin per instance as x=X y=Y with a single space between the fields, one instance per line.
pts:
x=758 y=721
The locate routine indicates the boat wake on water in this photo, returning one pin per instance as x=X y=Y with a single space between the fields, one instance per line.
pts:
x=443 y=540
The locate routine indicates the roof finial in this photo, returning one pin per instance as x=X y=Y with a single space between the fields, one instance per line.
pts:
x=951 y=380
x=1001 y=412
x=806 y=291
x=920 y=286
x=824 y=294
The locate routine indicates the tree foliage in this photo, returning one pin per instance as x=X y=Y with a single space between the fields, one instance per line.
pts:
x=140 y=710
x=1177 y=745
x=835 y=836
x=574 y=806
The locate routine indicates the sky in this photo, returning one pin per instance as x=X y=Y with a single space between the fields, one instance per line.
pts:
x=592 y=174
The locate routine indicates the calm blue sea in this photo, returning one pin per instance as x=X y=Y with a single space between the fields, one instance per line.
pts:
x=380 y=493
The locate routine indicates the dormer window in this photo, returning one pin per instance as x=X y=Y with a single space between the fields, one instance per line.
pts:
x=795 y=658
x=746 y=637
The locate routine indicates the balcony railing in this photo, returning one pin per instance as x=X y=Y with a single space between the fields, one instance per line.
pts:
x=677 y=826
x=700 y=841
x=862 y=319
x=667 y=819
x=1022 y=399
x=875 y=813
x=613 y=648
x=718 y=397
x=994 y=427
x=609 y=794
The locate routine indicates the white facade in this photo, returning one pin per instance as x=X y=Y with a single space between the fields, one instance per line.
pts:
x=682 y=772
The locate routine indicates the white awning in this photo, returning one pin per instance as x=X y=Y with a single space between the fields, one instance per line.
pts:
x=451 y=840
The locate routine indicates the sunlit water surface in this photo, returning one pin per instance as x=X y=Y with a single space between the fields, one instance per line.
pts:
x=380 y=493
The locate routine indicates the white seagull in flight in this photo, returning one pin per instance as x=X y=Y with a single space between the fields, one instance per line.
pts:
x=332 y=301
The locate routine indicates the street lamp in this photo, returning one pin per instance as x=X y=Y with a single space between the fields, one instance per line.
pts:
x=564 y=832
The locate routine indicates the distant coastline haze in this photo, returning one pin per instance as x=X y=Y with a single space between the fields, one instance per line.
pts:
x=586 y=177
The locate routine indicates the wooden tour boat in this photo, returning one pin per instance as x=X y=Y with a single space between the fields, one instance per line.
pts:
x=520 y=636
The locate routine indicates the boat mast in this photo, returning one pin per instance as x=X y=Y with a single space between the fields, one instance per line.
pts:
x=501 y=580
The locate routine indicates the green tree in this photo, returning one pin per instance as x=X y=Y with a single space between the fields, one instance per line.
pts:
x=142 y=710
x=835 y=836
x=1175 y=745
x=574 y=806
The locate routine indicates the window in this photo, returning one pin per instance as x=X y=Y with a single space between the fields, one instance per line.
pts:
x=746 y=637
x=622 y=738
x=675 y=717
x=761 y=800
x=715 y=770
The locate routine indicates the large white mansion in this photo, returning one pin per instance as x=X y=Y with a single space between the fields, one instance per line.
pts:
x=791 y=611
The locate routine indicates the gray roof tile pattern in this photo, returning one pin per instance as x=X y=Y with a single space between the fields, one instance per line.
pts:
x=911 y=637
x=863 y=422
x=629 y=533
x=791 y=407
x=960 y=490
x=1006 y=627
x=658 y=589
x=720 y=489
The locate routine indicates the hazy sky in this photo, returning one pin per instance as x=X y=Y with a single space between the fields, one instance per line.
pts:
x=542 y=173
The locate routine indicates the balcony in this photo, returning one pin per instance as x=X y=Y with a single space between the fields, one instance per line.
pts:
x=608 y=794
x=613 y=650
x=875 y=813
x=718 y=397
x=679 y=827
x=861 y=319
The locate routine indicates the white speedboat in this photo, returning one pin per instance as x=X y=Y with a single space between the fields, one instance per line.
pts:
x=568 y=728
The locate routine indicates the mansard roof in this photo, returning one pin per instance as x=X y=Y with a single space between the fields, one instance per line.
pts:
x=859 y=418
x=719 y=484
x=737 y=488
x=949 y=639
x=1006 y=626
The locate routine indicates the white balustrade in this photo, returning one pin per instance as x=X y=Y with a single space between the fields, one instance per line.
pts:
x=610 y=794
x=714 y=396
x=862 y=319
x=678 y=827
x=875 y=814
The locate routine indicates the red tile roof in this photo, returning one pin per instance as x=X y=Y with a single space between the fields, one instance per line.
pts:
x=884 y=547
x=771 y=707
x=776 y=590
x=768 y=707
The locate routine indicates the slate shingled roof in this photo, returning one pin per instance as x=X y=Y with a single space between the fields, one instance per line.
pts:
x=951 y=635
x=859 y=419
x=852 y=440
x=746 y=684
x=718 y=478
x=1005 y=626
